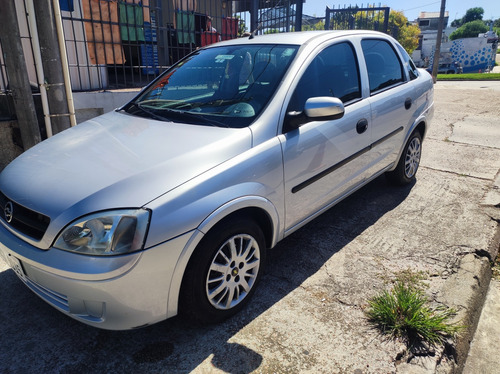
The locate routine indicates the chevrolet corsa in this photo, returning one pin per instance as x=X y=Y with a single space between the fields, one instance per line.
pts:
x=168 y=204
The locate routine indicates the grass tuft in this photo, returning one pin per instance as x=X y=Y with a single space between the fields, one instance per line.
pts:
x=469 y=77
x=403 y=313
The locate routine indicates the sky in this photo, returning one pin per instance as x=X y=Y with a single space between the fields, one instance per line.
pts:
x=412 y=9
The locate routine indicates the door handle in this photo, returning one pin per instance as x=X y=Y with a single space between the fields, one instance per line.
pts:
x=362 y=125
x=408 y=103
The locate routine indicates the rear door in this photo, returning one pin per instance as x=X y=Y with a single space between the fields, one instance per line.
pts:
x=392 y=100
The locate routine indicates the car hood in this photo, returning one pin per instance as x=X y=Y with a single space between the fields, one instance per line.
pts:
x=113 y=161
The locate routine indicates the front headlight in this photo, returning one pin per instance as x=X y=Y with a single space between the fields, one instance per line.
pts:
x=106 y=233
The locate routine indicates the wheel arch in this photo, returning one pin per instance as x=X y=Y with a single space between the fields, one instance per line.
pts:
x=259 y=209
x=421 y=128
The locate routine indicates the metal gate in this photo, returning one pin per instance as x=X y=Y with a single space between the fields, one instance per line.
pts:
x=358 y=18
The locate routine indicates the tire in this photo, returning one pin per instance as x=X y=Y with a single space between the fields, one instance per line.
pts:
x=223 y=272
x=408 y=163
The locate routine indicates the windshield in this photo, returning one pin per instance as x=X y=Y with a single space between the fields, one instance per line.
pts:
x=223 y=86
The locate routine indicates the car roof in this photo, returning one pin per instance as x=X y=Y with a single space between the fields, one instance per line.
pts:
x=299 y=38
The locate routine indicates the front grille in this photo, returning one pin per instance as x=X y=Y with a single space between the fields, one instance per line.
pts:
x=24 y=220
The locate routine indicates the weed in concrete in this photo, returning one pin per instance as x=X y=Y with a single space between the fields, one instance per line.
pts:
x=403 y=314
x=412 y=278
x=496 y=268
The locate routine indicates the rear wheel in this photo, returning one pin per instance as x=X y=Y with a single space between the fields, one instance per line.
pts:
x=223 y=271
x=408 y=163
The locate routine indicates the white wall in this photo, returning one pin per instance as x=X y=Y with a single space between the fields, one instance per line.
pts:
x=92 y=104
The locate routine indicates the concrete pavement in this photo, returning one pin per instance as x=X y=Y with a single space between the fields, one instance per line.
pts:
x=484 y=355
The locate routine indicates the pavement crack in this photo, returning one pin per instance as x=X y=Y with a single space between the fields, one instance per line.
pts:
x=455 y=173
x=327 y=271
x=345 y=303
x=469 y=145
x=483 y=253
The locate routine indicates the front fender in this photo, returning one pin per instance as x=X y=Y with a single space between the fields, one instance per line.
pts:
x=197 y=235
x=257 y=172
x=240 y=204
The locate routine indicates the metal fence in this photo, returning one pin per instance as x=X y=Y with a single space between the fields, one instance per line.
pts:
x=6 y=107
x=113 y=44
x=355 y=17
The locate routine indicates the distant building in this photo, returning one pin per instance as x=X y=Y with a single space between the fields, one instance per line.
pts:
x=429 y=21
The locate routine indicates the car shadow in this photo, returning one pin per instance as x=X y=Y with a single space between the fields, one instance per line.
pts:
x=36 y=338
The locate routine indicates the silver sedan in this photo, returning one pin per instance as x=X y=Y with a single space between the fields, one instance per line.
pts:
x=168 y=204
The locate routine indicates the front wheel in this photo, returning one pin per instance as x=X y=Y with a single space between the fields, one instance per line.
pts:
x=408 y=162
x=223 y=271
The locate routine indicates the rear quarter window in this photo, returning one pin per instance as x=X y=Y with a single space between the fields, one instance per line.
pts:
x=409 y=65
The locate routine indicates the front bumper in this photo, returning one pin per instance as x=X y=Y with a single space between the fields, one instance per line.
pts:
x=115 y=293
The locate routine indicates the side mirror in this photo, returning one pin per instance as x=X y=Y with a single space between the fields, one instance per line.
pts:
x=323 y=108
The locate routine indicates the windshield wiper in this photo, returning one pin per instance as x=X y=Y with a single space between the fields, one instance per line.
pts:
x=193 y=118
x=221 y=102
x=150 y=113
x=173 y=115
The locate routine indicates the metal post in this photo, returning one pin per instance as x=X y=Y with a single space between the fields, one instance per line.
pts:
x=15 y=65
x=64 y=62
x=386 y=20
x=298 y=15
x=327 y=18
x=254 y=15
x=287 y=27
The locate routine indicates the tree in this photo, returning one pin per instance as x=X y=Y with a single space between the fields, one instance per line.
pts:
x=472 y=14
x=408 y=37
x=242 y=27
x=407 y=34
x=370 y=20
x=317 y=26
x=469 y=30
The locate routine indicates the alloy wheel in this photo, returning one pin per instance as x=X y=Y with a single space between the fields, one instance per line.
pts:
x=412 y=159
x=233 y=271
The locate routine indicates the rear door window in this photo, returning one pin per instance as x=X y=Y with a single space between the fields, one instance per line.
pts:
x=382 y=63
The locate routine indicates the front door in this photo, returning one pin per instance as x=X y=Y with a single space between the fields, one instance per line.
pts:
x=324 y=159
